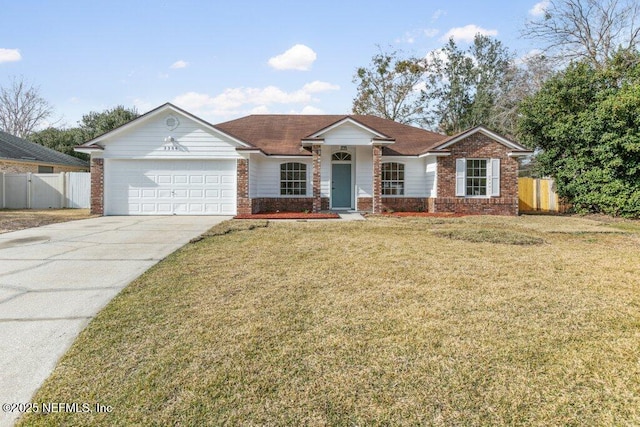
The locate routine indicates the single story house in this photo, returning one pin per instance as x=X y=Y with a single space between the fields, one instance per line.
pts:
x=170 y=162
x=17 y=155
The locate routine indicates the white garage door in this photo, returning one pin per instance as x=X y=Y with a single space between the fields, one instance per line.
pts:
x=170 y=187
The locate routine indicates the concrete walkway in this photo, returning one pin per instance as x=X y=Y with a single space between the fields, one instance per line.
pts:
x=351 y=216
x=54 y=279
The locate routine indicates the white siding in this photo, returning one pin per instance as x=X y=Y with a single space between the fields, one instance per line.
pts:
x=147 y=140
x=364 y=171
x=325 y=172
x=267 y=179
x=432 y=176
x=254 y=175
x=347 y=134
x=418 y=182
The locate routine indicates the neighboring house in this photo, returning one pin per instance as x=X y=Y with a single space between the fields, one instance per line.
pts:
x=18 y=155
x=169 y=161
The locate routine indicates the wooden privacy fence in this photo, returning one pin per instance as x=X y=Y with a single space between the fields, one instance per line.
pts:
x=45 y=190
x=538 y=195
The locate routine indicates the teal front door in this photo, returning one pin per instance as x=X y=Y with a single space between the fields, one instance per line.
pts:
x=341 y=185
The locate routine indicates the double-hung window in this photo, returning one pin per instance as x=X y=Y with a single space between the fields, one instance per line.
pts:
x=293 y=179
x=392 y=179
x=478 y=177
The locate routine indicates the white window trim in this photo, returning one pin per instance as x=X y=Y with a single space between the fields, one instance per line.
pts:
x=404 y=180
x=493 y=178
x=306 y=186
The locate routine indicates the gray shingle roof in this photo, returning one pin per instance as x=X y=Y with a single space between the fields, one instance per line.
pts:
x=14 y=148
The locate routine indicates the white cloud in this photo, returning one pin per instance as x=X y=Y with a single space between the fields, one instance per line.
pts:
x=540 y=8
x=179 y=64
x=248 y=100
x=437 y=55
x=318 y=86
x=437 y=14
x=467 y=33
x=142 y=105
x=311 y=110
x=9 y=55
x=410 y=37
x=531 y=54
x=299 y=57
x=430 y=32
x=261 y=109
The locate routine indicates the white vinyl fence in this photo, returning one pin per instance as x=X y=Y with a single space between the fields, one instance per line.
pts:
x=45 y=190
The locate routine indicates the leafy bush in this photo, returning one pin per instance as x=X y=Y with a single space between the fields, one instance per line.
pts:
x=586 y=124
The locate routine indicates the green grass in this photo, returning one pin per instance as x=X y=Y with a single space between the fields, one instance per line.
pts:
x=380 y=322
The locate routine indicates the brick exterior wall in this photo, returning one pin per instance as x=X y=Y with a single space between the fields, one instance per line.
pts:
x=406 y=204
x=317 y=199
x=376 y=205
x=24 y=167
x=97 y=186
x=365 y=204
x=243 y=201
x=478 y=146
x=282 y=204
x=286 y=204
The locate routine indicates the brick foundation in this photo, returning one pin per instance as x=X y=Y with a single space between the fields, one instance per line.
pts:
x=478 y=145
x=282 y=204
x=286 y=204
x=97 y=186
x=491 y=206
x=406 y=204
x=365 y=204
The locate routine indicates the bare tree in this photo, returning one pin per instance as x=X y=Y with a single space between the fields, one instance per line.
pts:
x=591 y=30
x=523 y=79
x=390 y=87
x=22 y=108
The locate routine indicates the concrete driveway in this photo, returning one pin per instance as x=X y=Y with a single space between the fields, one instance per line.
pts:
x=54 y=279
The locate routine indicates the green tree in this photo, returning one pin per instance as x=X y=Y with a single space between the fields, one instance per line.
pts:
x=585 y=123
x=390 y=87
x=95 y=124
x=466 y=85
x=91 y=126
x=62 y=140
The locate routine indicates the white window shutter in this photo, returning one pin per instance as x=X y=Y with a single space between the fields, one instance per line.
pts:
x=461 y=166
x=494 y=179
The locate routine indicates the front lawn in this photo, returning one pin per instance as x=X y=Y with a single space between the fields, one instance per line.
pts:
x=389 y=321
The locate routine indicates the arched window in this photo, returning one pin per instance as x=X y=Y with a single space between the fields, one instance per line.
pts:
x=293 y=179
x=392 y=179
x=341 y=156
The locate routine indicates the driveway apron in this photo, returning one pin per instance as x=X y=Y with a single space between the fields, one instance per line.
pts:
x=54 y=280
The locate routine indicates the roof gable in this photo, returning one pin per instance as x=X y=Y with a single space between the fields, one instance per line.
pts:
x=480 y=129
x=164 y=109
x=19 y=149
x=348 y=120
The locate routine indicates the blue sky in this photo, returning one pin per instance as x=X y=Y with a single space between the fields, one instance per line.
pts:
x=225 y=59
